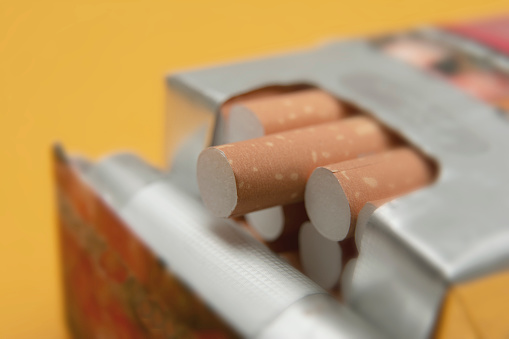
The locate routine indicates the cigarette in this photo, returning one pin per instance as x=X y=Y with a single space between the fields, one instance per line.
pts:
x=265 y=92
x=320 y=257
x=273 y=114
x=336 y=193
x=247 y=176
x=363 y=218
x=346 y=281
x=274 y=222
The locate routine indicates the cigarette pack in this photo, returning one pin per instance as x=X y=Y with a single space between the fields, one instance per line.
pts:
x=356 y=189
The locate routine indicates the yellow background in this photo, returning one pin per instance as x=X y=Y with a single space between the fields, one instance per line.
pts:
x=90 y=74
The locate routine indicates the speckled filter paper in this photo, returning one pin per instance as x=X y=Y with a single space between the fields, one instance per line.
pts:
x=284 y=112
x=376 y=177
x=273 y=170
x=265 y=92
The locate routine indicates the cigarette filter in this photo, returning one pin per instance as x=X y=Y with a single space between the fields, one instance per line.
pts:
x=320 y=257
x=323 y=259
x=364 y=215
x=261 y=116
x=336 y=193
x=254 y=95
x=346 y=279
x=279 y=225
x=238 y=178
x=222 y=130
x=283 y=244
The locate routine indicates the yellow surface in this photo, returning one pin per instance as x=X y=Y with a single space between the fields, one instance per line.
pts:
x=477 y=309
x=454 y=322
x=90 y=74
x=486 y=303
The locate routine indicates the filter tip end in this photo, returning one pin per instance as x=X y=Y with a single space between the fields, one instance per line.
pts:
x=327 y=205
x=216 y=182
x=244 y=124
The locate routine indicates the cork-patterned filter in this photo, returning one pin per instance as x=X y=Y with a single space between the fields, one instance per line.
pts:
x=256 y=116
x=336 y=193
x=265 y=92
x=239 y=178
x=260 y=116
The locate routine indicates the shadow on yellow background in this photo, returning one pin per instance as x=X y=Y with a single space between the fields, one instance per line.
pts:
x=90 y=74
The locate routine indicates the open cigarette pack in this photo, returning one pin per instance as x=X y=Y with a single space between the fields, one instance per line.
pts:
x=356 y=189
